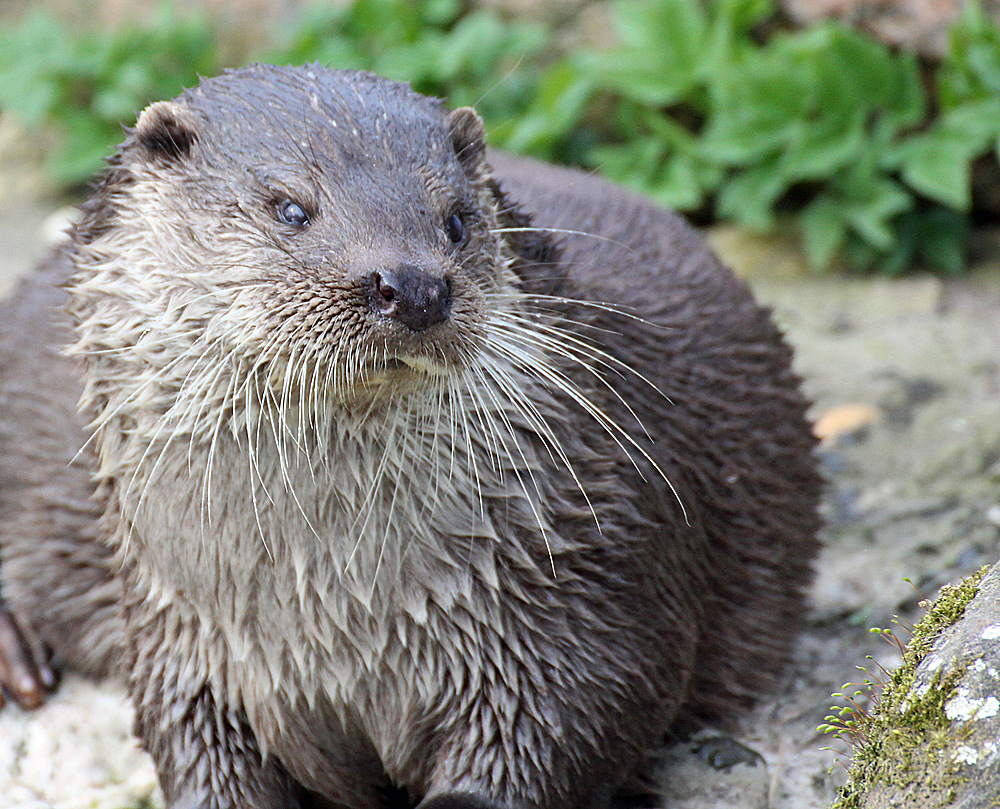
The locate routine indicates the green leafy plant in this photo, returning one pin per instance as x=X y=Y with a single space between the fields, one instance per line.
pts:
x=470 y=58
x=693 y=104
x=825 y=123
x=88 y=83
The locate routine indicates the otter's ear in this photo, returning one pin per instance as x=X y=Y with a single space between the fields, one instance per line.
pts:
x=166 y=130
x=469 y=139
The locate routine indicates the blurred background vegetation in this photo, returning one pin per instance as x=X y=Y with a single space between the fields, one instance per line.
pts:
x=718 y=108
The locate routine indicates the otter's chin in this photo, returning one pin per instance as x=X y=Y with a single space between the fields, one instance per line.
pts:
x=402 y=374
x=420 y=365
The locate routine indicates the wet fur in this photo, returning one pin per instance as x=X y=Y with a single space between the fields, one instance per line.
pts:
x=590 y=510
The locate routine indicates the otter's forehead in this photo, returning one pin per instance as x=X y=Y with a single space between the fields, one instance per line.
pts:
x=333 y=119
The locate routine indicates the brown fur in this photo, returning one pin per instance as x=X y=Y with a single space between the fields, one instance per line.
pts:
x=485 y=562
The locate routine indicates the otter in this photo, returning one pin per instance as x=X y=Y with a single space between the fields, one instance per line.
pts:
x=390 y=470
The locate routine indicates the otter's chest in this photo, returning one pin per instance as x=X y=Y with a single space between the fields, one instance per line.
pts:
x=351 y=638
x=320 y=588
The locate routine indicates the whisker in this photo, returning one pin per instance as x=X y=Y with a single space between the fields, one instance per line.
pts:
x=544 y=371
x=566 y=232
x=500 y=412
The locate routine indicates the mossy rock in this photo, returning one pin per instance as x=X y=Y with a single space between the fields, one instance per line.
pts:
x=934 y=738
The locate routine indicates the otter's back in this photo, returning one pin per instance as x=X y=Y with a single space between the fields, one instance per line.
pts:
x=724 y=409
x=54 y=564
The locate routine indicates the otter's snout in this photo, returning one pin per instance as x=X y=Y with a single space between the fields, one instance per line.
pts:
x=411 y=296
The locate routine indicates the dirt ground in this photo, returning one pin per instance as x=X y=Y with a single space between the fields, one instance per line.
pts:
x=905 y=376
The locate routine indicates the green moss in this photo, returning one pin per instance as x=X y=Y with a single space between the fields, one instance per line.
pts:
x=898 y=744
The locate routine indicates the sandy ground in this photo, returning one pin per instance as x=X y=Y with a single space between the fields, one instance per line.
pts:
x=905 y=376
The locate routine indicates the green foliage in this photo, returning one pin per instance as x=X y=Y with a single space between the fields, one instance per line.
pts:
x=88 y=83
x=472 y=58
x=936 y=162
x=824 y=122
x=692 y=105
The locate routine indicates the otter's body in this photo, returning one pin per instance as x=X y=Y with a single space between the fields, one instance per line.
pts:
x=395 y=491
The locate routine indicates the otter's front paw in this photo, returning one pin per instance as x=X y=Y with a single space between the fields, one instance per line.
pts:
x=25 y=673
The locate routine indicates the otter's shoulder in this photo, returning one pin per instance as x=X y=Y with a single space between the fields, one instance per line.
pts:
x=32 y=316
x=556 y=194
x=617 y=245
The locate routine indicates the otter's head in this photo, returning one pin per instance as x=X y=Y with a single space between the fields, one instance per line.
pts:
x=330 y=235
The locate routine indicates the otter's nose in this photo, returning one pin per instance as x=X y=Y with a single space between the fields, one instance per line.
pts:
x=414 y=298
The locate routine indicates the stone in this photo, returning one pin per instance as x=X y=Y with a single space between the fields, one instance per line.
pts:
x=934 y=739
x=712 y=772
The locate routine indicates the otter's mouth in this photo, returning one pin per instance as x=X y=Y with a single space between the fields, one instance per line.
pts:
x=423 y=365
x=404 y=367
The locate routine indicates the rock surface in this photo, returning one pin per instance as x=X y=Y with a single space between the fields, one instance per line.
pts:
x=906 y=380
x=713 y=772
x=77 y=752
x=934 y=739
x=967 y=656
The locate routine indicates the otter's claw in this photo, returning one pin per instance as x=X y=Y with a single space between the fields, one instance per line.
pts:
x=25 y=673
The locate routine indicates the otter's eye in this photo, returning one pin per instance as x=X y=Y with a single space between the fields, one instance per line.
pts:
x=291 y=213
x=455 y=228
